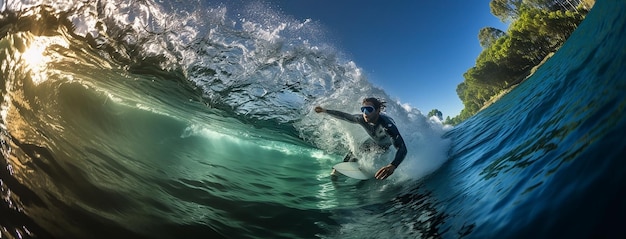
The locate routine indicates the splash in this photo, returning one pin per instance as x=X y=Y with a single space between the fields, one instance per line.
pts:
x=261 y=66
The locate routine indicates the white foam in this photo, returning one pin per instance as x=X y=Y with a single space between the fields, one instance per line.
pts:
x=427 y=150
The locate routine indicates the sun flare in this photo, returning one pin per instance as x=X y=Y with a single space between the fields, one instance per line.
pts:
x=33 y=56
x=36 y=57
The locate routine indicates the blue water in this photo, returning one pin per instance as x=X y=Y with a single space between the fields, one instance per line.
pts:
x=158 y=120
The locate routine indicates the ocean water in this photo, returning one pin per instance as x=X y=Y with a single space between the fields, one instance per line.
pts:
x=170 y=120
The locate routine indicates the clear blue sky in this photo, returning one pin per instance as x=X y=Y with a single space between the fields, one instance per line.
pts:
x=417 y=51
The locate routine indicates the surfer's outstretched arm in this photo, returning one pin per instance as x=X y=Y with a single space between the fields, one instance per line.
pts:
x=338 y=114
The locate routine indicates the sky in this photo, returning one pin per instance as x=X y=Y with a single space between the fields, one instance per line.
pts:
x=416 y=50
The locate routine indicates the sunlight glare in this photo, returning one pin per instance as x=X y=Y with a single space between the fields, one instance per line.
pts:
x=36 y=58
x=34 y=54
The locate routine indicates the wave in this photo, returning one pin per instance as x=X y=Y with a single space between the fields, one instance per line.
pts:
x=147 y=119
x=252 y=63
x=162 y=120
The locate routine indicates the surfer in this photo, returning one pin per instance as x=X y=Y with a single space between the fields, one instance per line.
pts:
x=381 y=128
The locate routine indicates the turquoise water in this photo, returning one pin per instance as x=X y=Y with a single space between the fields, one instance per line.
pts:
x=151 y=120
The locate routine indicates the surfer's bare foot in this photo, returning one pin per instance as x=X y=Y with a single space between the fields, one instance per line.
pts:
x=334 y=175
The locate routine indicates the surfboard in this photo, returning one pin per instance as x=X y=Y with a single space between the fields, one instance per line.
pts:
x=352 y=169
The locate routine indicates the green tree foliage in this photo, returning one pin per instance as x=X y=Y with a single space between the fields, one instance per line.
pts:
x=435 y=112
x=505 y=9
x=488 y=35
x=538 y=28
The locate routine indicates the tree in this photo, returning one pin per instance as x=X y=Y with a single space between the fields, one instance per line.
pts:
x=436 y=112
x=506 y=10
x=538 y=27
x=488 y=35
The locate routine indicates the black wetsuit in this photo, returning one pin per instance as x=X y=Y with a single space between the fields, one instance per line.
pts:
x=383 y=133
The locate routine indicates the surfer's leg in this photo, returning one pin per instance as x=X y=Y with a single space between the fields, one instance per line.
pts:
x=350 y=157
x=334 y=175
x=368 y=146
x=371 y=147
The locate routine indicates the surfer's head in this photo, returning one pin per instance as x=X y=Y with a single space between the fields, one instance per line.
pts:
x=377 y=103
x=371 y=109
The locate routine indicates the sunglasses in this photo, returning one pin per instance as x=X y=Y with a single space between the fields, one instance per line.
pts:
x=367 y=109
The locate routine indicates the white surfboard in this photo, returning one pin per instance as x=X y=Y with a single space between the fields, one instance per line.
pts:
x=352 y=169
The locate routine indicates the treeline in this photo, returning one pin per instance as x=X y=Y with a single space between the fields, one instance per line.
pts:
x=537 y=28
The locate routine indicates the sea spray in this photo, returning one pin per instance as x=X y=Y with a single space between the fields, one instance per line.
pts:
x=194 y=122
x=427 y=150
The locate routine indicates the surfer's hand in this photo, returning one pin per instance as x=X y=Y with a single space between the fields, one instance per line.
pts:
x=385 y=172
x=319 y=109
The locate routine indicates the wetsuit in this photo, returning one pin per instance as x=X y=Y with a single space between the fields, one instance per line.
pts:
x=383 y=133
